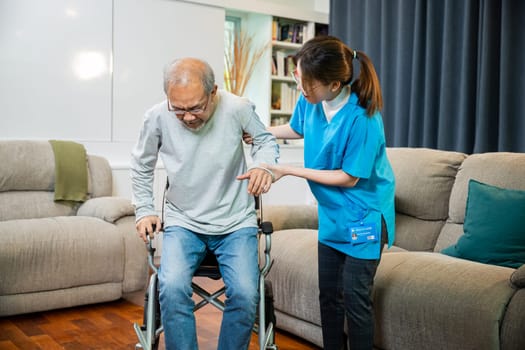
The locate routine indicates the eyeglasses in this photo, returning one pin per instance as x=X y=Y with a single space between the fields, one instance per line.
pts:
x=194 y=111
x=299 y=83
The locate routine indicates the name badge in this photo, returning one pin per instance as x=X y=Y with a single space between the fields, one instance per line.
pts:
x=363 y=233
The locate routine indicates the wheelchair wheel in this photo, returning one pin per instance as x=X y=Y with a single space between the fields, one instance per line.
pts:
x=157 y=310
x=269 y=311
x=157 y=320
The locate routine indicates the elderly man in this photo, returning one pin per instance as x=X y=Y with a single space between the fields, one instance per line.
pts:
x=197 y=131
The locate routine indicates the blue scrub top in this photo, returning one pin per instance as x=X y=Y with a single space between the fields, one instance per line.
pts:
x=355 y=143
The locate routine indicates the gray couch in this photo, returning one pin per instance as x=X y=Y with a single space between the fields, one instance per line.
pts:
x=54 y=255
x=423 y=299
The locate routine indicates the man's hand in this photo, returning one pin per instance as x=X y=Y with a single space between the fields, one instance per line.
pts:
x=146 y=225
x=260 y=180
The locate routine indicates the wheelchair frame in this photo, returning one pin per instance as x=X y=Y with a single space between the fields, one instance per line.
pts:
x=149 y=333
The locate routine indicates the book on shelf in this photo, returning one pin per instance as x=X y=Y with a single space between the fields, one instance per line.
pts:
x=282 y=64
x=298 y=33
x=289 y=65
x=288 y=35
x=276 y=97
x=287 y=31
x=321 y=29
x=280 y=59
x=279 y=120
x=284 y=97
x=274 y=65
x=275 y=29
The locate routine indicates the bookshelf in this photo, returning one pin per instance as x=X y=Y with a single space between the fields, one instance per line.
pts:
x=271 y=79
x=288 y=35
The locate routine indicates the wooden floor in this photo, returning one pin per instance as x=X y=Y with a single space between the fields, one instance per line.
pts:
x=108 y=326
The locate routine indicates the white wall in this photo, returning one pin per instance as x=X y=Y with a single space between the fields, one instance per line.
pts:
x=306 y=10
x=55 y=69
x=87 y=70
x=147 y=35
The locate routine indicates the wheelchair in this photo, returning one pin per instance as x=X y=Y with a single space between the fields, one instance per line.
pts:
x=149 y=332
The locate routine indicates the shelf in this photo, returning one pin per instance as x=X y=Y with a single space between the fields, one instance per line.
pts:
x=285 y=45
x=279 y=112
x=275 y=89
x=287 y=38
x=286 y=79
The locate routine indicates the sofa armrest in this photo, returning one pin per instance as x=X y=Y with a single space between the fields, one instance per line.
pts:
x=442 y=294
x=285 y=217
x=518 y=277
x=109 y=209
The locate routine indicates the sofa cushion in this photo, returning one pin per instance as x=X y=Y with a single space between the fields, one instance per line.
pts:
x=512 y=335
x=26 y=165
x=493 y=228
x=502 y=169
x=33 y=168
x=433 y=301
x=47 y=254
x=101 y=177
x=27 y=181
x=294 y=274
x=424 y=179
x=109 y=209
x=16 y=205
x=518 y=277
x=285 y=217
x=415 y=234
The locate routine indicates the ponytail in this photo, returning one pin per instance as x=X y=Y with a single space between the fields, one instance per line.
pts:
x=327 y=59
x=366 y=85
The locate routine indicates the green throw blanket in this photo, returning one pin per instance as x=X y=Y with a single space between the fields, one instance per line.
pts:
x=71 y=173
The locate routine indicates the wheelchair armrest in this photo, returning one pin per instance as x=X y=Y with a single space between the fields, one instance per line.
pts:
x=266 y=227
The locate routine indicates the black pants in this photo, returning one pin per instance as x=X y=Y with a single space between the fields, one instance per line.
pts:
x=345 y=289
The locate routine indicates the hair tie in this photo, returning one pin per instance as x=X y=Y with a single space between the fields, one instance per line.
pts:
x=355 y=54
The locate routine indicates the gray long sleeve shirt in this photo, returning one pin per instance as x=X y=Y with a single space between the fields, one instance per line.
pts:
x=204 y=194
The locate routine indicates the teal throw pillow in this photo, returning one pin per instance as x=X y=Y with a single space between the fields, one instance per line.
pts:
x=494 y=228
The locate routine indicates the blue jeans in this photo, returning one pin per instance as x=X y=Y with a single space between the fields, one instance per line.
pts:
x=182 y=253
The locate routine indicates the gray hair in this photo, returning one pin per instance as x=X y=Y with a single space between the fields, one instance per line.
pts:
x=178 y=70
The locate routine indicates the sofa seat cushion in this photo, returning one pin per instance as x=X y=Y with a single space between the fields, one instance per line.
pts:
x=432 y=301
x=294 y=274
x=512 y=334
x=55 y=253
x=14 y=304
x=493 y=230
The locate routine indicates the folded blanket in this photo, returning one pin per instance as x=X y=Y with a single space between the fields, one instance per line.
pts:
x=71 y=172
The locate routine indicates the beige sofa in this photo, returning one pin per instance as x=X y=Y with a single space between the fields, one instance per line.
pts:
x=423 y=299
x=54 y=255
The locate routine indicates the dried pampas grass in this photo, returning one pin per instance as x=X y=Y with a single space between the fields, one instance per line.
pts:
x=240 y=62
